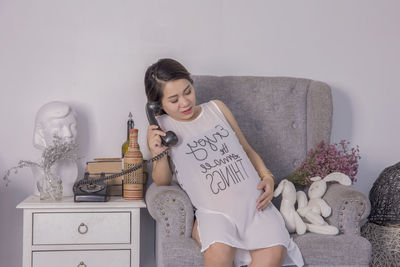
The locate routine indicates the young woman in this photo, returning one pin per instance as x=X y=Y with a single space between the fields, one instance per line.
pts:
x=226 y=180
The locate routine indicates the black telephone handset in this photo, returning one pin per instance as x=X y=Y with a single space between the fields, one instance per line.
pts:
x=151 y=109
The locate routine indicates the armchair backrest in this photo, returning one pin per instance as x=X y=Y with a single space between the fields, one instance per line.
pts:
x=281 y=117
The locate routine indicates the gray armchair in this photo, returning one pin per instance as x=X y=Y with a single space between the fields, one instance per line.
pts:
x=282 y=118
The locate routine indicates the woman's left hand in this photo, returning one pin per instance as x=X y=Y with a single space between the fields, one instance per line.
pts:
x=267 y=184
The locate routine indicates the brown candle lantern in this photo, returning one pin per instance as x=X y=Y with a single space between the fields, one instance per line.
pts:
x=133 y=181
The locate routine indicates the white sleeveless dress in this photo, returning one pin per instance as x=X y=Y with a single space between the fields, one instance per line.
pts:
x=220 y=180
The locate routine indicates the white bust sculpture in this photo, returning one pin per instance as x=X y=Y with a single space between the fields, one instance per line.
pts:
x=56 y=119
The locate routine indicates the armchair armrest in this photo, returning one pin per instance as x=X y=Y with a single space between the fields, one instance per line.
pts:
x=171 y=208
x=349 y=207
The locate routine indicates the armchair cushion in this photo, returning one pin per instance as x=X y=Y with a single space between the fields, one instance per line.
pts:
x=337 y=250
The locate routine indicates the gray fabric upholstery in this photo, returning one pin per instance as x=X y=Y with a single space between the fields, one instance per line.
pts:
x=282 y=118
x=182 y=252
x=335 y=250
x=319 y=113
x=275 y=121
x=349 y=208
x=173 y=212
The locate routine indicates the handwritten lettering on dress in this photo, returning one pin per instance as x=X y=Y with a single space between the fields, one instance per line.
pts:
x=222 y=170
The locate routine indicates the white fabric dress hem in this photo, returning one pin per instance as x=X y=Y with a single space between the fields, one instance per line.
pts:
x=204 y=248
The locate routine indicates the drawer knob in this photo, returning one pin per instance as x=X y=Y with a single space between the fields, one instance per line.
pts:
x=82 y=264
x=82 y=229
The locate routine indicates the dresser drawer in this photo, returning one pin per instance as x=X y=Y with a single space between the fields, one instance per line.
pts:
x=81 y=228
x=95 y=258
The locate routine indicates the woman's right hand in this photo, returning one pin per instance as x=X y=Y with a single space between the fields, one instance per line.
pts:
x=154 y=140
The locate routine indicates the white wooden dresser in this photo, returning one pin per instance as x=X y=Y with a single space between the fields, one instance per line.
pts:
x=86 y=234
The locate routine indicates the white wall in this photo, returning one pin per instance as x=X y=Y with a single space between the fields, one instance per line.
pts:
x=93 y=54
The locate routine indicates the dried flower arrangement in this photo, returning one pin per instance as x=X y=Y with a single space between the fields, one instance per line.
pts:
x=59 y=150
x=325 y=159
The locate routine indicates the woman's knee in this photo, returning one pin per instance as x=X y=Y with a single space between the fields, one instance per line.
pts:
x=272 y=256
x=219 y=254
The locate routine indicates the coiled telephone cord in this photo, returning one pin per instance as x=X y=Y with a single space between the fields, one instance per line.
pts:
x=134 y=168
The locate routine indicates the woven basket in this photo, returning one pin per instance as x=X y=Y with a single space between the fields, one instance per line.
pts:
x=385 y=241
x=385 y=197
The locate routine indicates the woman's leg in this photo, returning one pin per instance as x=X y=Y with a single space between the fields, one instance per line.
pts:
x=218 y=254
x=268 y=257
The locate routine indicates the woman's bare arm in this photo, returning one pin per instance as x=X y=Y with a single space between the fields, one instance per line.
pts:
x=161 y=174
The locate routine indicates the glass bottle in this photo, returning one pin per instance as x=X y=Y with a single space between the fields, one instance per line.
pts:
x=129 y=125
x=133 y=181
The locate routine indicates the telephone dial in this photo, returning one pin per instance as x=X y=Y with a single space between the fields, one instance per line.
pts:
x=95 y=189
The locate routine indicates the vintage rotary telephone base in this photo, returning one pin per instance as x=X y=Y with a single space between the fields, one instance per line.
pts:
x=91 y=192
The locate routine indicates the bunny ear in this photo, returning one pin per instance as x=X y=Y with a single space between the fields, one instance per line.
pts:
x=279 y=189
x=338 y=177
x=314 y=179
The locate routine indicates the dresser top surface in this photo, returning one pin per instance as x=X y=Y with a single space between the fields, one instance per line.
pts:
x=34 y=202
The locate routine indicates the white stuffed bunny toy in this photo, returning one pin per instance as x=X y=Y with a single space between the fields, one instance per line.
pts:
x=293 y=221
x=316 y=209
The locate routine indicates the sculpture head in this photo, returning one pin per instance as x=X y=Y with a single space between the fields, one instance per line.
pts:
x=54 y=119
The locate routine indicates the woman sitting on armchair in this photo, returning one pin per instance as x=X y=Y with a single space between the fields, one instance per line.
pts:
x=226 y=180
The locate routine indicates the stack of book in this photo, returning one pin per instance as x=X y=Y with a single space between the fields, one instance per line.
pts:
x=108 y=166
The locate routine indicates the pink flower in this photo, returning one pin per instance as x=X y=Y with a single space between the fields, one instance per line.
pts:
x=325 y=159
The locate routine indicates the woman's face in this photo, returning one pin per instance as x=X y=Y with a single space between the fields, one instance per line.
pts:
x=179 y=100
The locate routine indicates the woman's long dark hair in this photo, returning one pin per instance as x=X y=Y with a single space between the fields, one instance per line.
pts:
x=159 y=73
